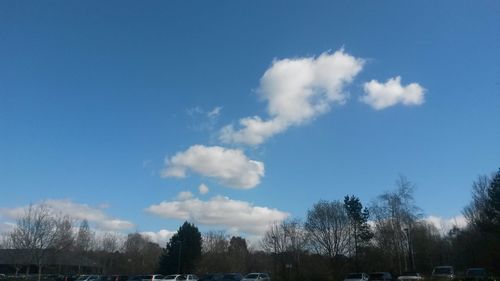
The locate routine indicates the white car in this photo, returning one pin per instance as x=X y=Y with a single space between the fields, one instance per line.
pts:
x=174 y=277
x=179 y=277
x=256 y=276
x=191 y=277
x=152 y=277
x=87 y=278
x=357 y=277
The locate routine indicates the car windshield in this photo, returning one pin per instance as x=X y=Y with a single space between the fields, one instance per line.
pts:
x=442 y=270
x=355 y=276
x=252 y=276
x=476 y=272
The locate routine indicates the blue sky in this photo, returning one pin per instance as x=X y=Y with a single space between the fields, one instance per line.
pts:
x=96 y=96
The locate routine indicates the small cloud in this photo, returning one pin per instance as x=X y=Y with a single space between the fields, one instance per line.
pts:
x=383 y=95
x=201 y=119
x=214 y=113
x=146 y=163
x=203 y=188
x=231 y=167
x=234 y=215
x=184 y=195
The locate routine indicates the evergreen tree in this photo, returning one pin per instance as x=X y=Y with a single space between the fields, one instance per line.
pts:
x=492 y=208
x=182 y=252
x=358 y=220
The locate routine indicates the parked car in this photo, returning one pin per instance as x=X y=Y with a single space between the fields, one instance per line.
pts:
x=256 y=276
x=191 y=277
x=443 y=272
x=357 y=277
x=87 y=278
x=152 y=277
x=174 y=277
x=211 y=277
x=380 y=276
x=135 y=278
x=477 y=274
x=410 y=276
x=232 y=277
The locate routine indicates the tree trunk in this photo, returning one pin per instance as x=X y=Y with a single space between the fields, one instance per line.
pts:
x=39 y=271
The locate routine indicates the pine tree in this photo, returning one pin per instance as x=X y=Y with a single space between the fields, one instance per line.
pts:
x=182 y=252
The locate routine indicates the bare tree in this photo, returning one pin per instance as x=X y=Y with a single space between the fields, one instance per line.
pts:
x=215 y=248
x=110 y=242
x=395 y=213
x=327 y=226
x=36 y=231
x=287 y=241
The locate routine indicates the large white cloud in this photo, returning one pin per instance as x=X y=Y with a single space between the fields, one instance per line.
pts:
x=296 y=91
x=231 y=167
x=383 y=95
x=220 y=211
x=74 y=210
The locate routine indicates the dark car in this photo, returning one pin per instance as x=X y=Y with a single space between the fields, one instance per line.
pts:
x=477 y=274
x=232 y=277
x=211 y=277
x=380 y=276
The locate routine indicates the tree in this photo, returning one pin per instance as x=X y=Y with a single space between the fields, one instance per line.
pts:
x=36 y=232
x=84 y=240
x=238 y=254
x=359 y=230
x=327 y=226
x=214 y=252
x=182 y=252
x=394 y=212
x=492 y=208
x=287 y=241
x=142 y=254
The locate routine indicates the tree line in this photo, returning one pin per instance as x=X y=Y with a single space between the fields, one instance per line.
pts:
x=334 y=237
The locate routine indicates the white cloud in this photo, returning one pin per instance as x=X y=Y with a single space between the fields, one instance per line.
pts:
x=78 y=211
x=296 y=91
x=203 y=189
x=161 y=237
x=444 y=225
x=235 y=215
x=231 y=167
x=184 y=195
x=380 y=96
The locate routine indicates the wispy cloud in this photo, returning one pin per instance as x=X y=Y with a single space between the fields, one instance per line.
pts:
x=235 y=215
x=383 y=95
x=231 y=167
x=200 y=119
x=94 y=215
x=296 y=91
